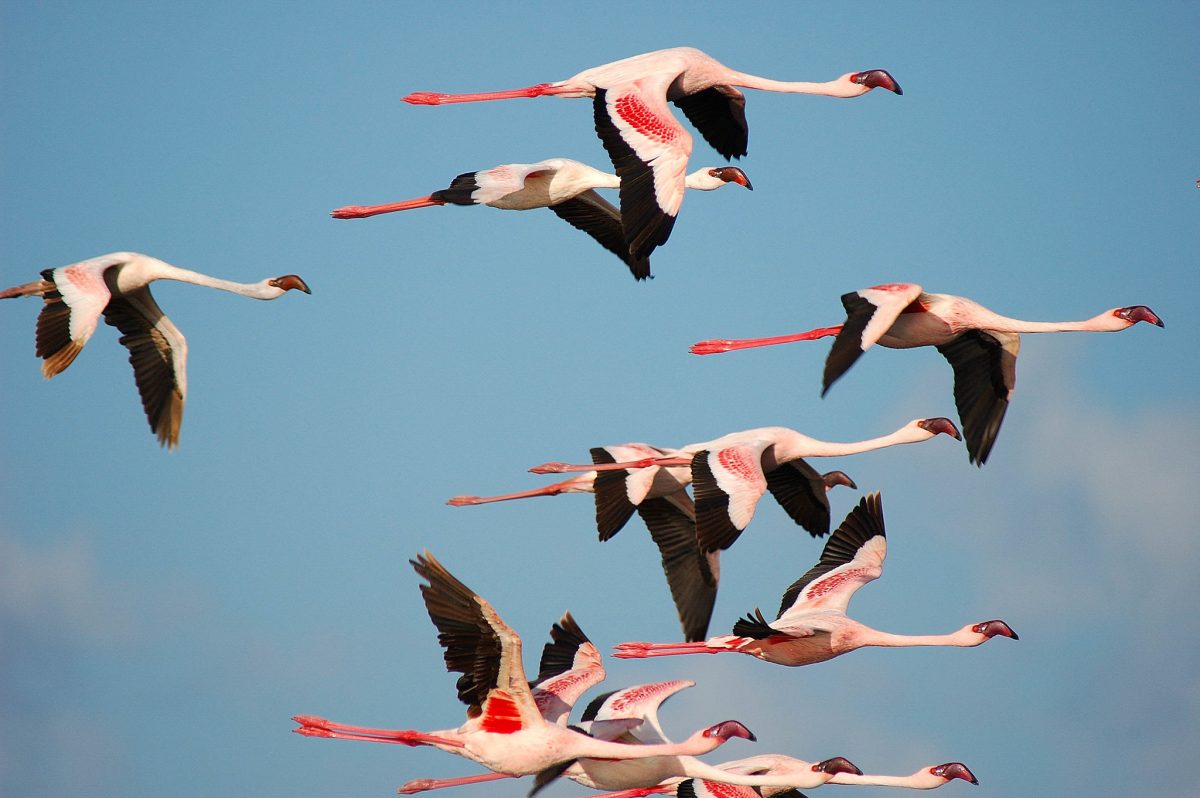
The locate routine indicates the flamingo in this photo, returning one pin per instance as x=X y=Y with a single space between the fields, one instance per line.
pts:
x=731 y=473
x=117 y=285
x=505 y=731
x=692 y=575
x=981 y=345
x=927 y=778
x=812 y=625
x=564 y=186
x=648 y=147
x=609 y=716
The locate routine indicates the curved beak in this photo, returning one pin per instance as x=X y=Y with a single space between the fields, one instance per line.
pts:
x=835 y=478
x=290 y=282
x=1136 y=313
x=940 y=425
x=731 y=728
x=836 y=765
x=954 y=770
x=877 y=79
x=991 y=629
x=732 y=174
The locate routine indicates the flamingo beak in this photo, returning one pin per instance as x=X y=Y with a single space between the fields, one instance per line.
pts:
x=290 y=282
x=954 y=770
x=990 y=629
x=877 y=79
x=1136 y=313
x=941 y=425
x=835 y=478
x=730 y=728
x=732 y=174
x=839 y=764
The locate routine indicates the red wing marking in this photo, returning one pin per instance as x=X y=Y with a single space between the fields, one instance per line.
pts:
x=897 y=287
x=719 y=789
x=736 y=462
x=636 y=695
x=500 y=714
x=833 y=582
x=88 y=280
x=639 y=116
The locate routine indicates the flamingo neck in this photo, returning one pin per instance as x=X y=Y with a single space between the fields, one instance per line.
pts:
x=963 y=638
x=797 y=780
x=166 y=271
x=796 y=445
x=1105 y=322
x=830 y=88
x=920 y=780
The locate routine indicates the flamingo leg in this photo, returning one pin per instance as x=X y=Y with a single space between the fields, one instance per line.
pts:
x=561 y=468
x=436 y=98
x=311 y=726
x=640 y=792
x=643 y=650
x=363 y=211
x=717 y=345
x=548 y=490
x=421 y=785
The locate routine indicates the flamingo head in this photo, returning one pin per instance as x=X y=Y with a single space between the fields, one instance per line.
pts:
x=839 y=764
x=727 y=730
x=1135 y=313
x=990 y=629
x=714 y=177
x=940 y=425
x=287 y=283
x=875 y=79
x=953 y=770
x=834 y=478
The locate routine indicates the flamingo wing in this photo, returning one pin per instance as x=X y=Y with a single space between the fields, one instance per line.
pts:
x=852 y=557
x=728 y=483
x=649 y=150
x=869 y=314
x=613 y=508
x=638 y=702
x=703 y=788
x=719 y=113
x=158 y=354
x=800 y=491
x=985 y=373
x=478 y=644
x=75 y=298
x=597 y=217
x=570 y=666
x=691 y=574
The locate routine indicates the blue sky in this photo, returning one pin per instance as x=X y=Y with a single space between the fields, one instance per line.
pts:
x=163 y=614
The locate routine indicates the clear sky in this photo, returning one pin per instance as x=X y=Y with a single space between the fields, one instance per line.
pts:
x=163 y=614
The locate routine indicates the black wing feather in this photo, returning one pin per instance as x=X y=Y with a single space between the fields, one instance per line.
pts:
x=595 y=216
x=847 y=347
x=613 y=508
x=981 y=391
x=692 y=582
x=714 y=529
x=720 y=118
x=800 y=491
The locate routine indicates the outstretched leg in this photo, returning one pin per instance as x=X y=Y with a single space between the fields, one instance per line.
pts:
x=311 y=726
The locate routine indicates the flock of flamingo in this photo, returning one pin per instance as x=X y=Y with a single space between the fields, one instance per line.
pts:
x=517 y=727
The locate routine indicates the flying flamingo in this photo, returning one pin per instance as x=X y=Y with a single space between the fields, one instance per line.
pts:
x=927 y=778
x=732 y=473
x=812 y=625
x=981 y=345
x=631 y=716
x=564 y=186
x=504 y=731
x=117 y=285
x=692 y=575
x=648 y=147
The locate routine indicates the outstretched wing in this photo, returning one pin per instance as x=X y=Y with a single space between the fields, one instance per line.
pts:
x=985 y=373
x=691 y=574
x=649 y=150
x=852 y=557
x=158 y=354
x=480 y=646
x=75 y=298
x=719 y=113
x=801 y=492
x=570 y=666
x=869 y=314
x=597 y=217
x=727 y=483
x=638 y=702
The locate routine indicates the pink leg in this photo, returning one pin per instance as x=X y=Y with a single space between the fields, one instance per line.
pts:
x=717 y=345
x=363 y=211
x=561 y=468
x=421 y=785
x=641 y=792
x=311 y=726
x=582 y=483
x=435 y=98
x=643 y=650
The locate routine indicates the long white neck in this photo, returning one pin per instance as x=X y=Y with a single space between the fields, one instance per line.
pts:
x=830 y=88
x=964 y=638
x=921 y=780
x=795 y=445
x=260 y=290
x=799 y=778
x=1104 y=322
